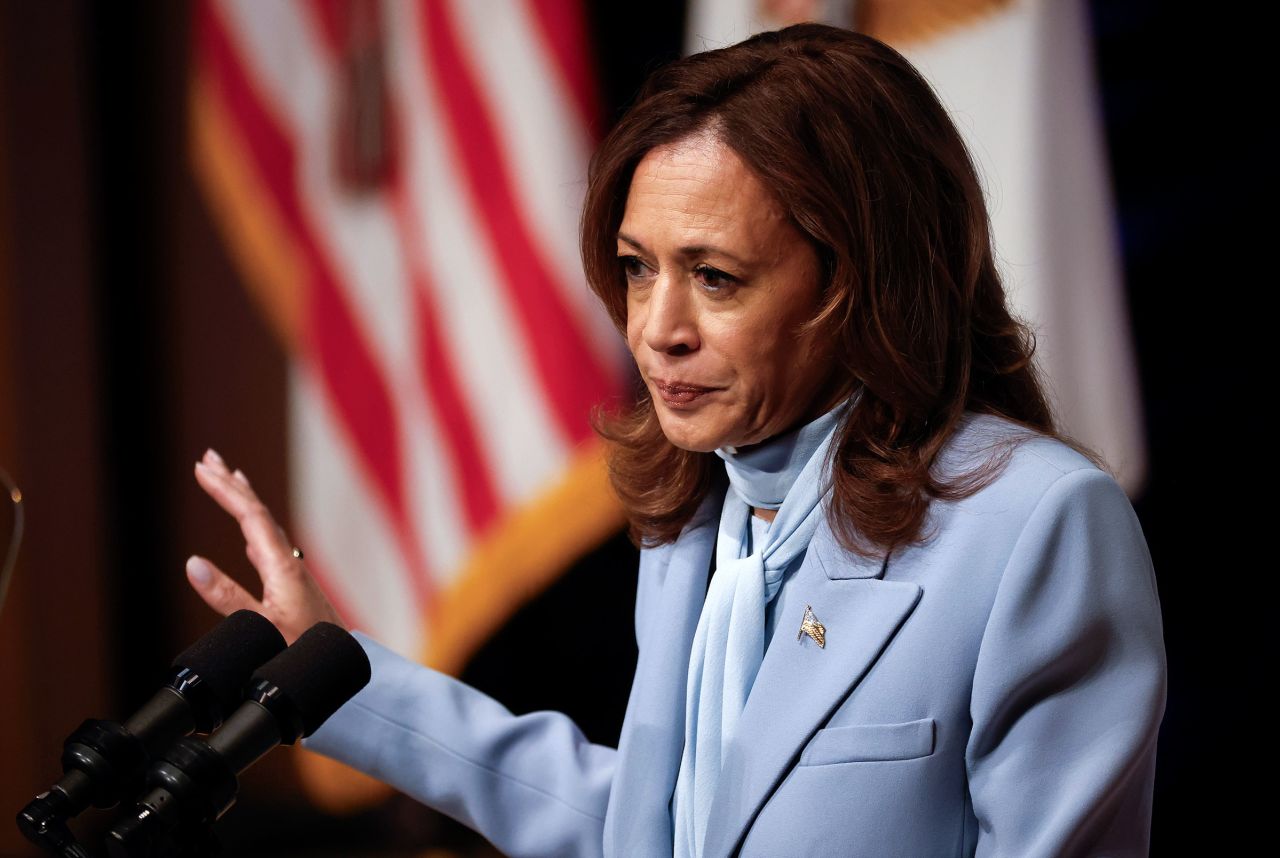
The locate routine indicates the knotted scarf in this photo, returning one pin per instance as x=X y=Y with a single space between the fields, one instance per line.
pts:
x=786 y=473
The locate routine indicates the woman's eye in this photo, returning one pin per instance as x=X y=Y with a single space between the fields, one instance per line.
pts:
x=632 y=266
x=713 y=278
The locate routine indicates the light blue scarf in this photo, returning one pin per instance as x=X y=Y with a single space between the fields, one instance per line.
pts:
x=786 y=473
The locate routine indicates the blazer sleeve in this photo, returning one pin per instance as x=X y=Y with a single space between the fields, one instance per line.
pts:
x=1070 y=683
x=532 y=784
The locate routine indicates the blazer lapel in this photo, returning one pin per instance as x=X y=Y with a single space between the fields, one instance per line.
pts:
x=638 y=819
x=800 y=684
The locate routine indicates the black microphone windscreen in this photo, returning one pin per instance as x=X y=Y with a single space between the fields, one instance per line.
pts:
x=230 y=652
x=323 y=669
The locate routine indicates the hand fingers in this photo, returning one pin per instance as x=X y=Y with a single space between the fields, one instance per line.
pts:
x=265 y=541
x=237 y=493
x=218 y=591
x=263 y=536
x=236 y=488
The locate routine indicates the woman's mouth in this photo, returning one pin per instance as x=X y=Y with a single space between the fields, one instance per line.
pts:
x=679 y=393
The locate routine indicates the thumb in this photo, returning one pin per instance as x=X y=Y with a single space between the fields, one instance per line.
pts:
x=217 y=589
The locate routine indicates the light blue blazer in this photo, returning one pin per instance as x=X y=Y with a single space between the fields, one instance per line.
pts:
x=996 y=691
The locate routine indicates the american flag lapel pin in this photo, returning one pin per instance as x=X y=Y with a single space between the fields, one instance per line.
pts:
x=811 y=627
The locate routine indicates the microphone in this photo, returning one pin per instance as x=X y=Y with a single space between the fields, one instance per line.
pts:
x=194 y=782
x=102 y=761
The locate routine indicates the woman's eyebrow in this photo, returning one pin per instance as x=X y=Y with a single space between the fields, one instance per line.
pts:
x=688 y=251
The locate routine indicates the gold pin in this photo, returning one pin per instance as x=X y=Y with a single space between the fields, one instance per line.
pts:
x=811 y=627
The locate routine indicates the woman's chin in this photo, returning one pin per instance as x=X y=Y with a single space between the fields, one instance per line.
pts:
x=686 y=434
x=692 y=447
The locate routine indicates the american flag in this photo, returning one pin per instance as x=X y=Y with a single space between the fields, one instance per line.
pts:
x=400 y=184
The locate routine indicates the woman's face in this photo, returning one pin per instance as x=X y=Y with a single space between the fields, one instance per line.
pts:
x=718 y=279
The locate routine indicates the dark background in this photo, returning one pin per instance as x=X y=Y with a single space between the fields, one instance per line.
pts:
x=127 y=346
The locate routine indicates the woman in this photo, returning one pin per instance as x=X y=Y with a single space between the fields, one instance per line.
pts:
x=932 y=626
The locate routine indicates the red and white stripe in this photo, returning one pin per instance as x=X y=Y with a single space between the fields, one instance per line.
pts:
x=450 y=349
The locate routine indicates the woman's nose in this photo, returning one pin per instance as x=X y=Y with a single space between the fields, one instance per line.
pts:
x=671 y=324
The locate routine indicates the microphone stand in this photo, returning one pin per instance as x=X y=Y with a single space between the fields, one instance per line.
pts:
x=189 y=839
x=44 y=823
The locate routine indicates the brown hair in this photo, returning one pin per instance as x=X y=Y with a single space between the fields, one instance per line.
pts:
x=861 y=154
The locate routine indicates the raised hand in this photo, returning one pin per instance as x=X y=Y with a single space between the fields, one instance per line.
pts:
x=290 y=596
